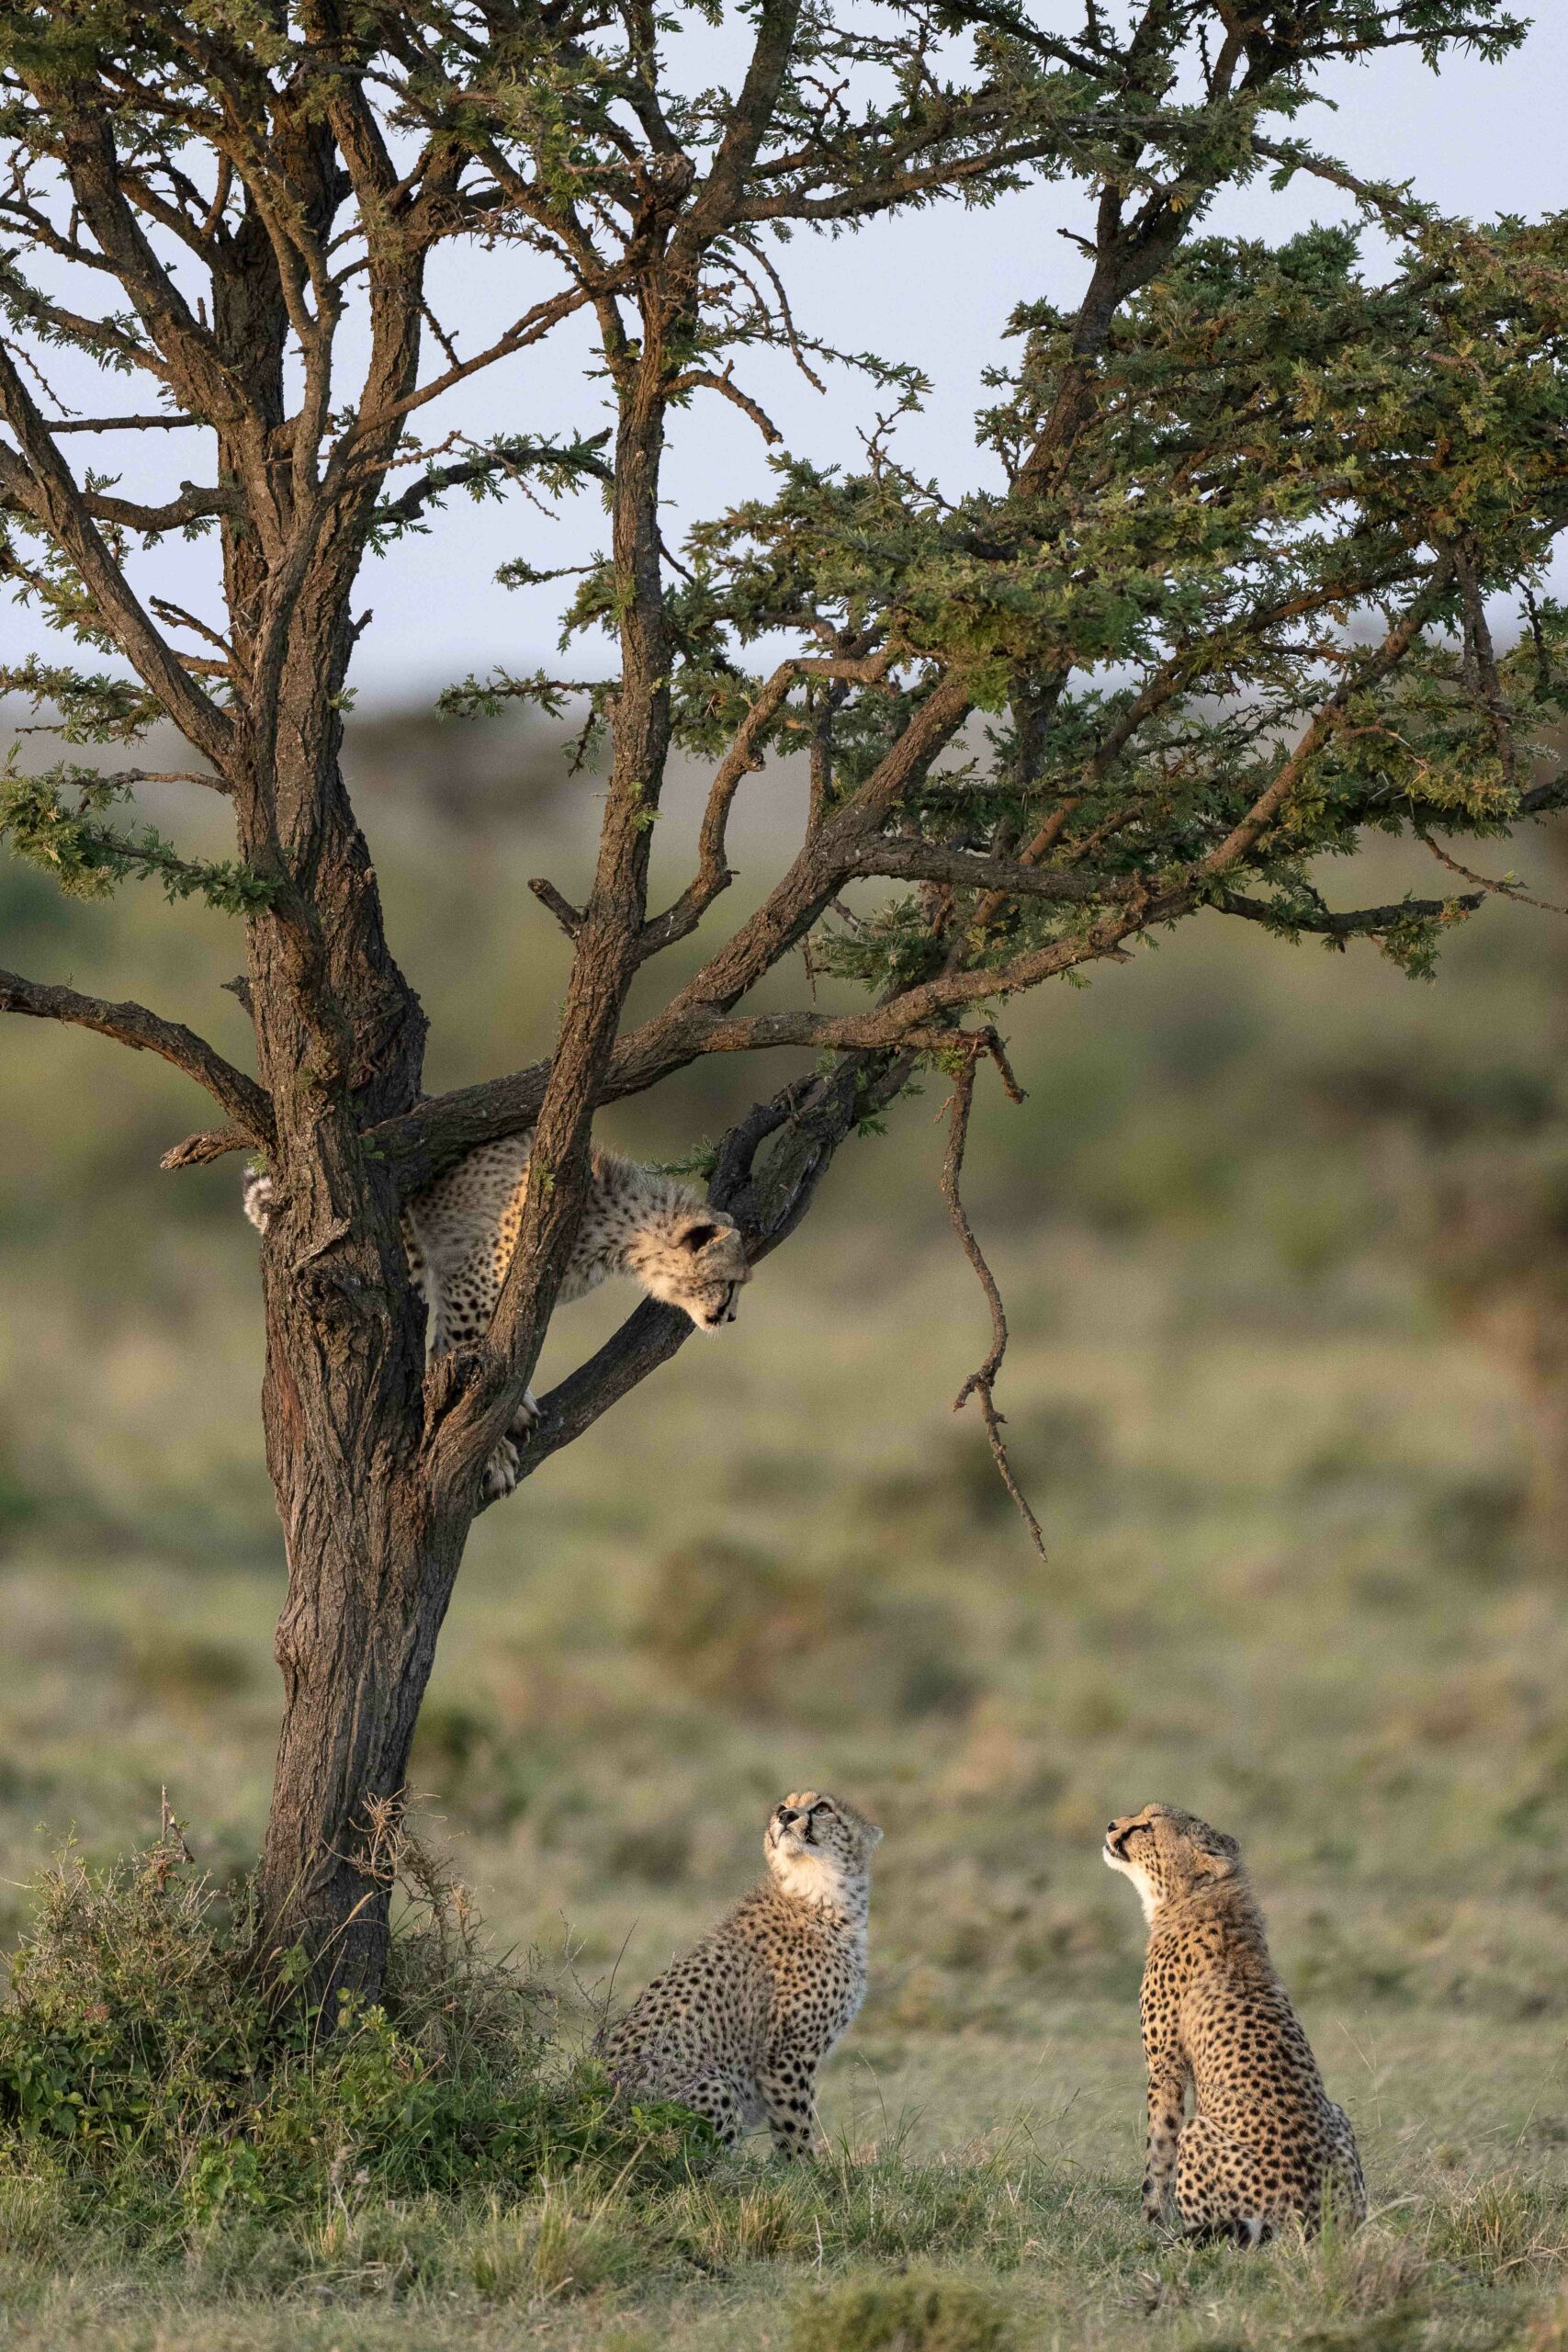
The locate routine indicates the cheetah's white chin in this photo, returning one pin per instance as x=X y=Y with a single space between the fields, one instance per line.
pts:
x=1140 y=1879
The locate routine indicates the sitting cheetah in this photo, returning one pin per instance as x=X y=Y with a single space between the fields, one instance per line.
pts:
x=461 y=1231
x=737 y=2028
x=1264 y=2143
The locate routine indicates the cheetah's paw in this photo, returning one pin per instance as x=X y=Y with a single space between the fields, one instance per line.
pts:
x=500 y=1472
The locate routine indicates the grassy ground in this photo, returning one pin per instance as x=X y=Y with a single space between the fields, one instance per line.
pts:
x=1286 y=1590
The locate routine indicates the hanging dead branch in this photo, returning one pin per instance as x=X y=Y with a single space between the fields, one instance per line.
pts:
x=982 y=1383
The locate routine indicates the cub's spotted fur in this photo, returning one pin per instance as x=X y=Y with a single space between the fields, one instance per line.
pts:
x=461 y=1231
x=1265 y=2142
x=738 y=2027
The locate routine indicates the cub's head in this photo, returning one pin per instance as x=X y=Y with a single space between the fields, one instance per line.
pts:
x=819 y=1848
x=1167 y=1853
x=693 y=1258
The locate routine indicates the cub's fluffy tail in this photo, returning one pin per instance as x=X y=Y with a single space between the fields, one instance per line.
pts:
x=257 y=1197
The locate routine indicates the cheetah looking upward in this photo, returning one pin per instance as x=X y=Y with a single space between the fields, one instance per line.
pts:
x=737 y=2028
x=1265 y=2141
x=461 y=1231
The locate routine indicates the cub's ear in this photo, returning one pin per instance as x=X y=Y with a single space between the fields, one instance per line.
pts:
x=872 y=1834
x=697 y=1237
x=1218 y=1856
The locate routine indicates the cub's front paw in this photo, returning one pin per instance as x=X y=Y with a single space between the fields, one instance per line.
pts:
x=526 y=1419
x=500 y=1472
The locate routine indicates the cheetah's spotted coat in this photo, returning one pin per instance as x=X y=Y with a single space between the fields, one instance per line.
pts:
x=737 y=2028
x=1265 y=2144
x=461 y=1231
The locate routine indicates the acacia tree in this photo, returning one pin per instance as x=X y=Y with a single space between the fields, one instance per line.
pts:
x=1218 y=605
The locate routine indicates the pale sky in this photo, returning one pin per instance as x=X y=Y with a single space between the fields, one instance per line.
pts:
x=935 y=289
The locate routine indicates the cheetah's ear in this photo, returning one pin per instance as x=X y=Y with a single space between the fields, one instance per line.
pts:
x=1220 y=1859
x=697 y=1237
x=872 y=1834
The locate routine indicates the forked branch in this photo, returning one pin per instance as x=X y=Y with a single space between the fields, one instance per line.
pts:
x=809 y=1119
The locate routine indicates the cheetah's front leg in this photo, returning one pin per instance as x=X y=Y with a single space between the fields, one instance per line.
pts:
x=1168 y=2091
x=461 y=1296
x=788 y=2084
x=714 y=2096
x=504 y=1466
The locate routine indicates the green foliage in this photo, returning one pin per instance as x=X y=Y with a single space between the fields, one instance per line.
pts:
x=1253 y=503
x=1197 y=501
x=90 y=707
x=699 y=1160
x=551 y=467
x=144 y=2058
x=88 y=858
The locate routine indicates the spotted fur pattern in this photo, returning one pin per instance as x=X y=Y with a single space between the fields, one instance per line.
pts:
x=1265 y=2144
x=737 y=2028
x=461 y=1231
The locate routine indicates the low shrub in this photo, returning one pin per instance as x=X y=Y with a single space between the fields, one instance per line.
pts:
x=147 y=2068
x=918 y=2312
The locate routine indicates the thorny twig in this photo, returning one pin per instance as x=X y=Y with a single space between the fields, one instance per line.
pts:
x=982 y=1383
x=170 y=1834
x=1498 y=889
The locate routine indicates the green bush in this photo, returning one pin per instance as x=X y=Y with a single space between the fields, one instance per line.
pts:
x=913 y=2313
x=147 y=2067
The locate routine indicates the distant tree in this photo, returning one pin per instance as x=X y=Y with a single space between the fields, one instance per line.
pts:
x=1222 y=607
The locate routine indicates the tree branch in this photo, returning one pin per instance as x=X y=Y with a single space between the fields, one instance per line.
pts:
x=1356 y=922
x=133 y=1024
x=811 y=1117
x=54 y=500
x=708 y=379
x=719 y=200
x=194 y=504
x=482 y=466
x=125 y=423
x=744 y=758
x=981 y=1384
x=569 y=917
x=211 y=1144
x=1244 y=837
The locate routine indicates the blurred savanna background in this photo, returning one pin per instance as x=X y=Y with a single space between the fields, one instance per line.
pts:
x=1284 y=1240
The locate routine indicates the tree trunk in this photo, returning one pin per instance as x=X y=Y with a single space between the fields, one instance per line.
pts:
x=371 y=1561
x=369 y=1579
x=371 y=1565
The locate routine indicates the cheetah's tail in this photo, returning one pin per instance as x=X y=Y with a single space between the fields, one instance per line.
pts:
x=257 y=1197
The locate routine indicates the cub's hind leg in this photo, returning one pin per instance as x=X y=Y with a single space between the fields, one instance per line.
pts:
x=1344 y=2183
x=719 y=2098
x=1222 y=2188
x=461 y=1282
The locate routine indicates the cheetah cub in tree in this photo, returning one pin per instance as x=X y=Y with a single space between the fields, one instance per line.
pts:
x=1265 y=2142
x=461 y=1231
x=737 y=2028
